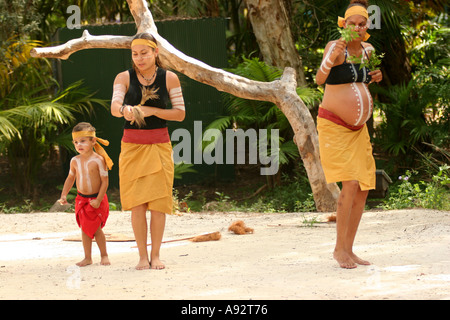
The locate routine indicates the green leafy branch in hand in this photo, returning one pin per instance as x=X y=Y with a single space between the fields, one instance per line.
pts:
x=371 y=64
x=348 y=34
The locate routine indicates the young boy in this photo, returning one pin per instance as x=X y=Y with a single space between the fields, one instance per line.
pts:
x=88 y=169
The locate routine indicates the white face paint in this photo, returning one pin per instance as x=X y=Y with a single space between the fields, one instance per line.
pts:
x=82 y=144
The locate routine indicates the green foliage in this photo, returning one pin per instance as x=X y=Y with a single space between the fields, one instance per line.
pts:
x=373 y=63
x=17 y=18
x=415 y=115
x=182 y=168
x=412 y=193
x=34 y=118
x=26 y=207
x=348 y=34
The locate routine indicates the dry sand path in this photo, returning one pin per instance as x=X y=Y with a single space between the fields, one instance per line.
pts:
x=283 y=259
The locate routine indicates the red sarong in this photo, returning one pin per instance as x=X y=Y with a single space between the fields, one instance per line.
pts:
x=327 y=114
x=151 y=136
x=90 y=219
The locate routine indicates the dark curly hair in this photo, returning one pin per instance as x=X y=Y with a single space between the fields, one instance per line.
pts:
x=362 y=3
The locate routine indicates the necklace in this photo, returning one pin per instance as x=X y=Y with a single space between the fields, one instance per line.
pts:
x=152 y=77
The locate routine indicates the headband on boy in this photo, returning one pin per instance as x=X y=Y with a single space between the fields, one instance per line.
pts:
x=351 y=12
x=144 y=42
x=97 y=148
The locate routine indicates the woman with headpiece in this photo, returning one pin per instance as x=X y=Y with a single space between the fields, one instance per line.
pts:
x=141 y=95
x=345 y=148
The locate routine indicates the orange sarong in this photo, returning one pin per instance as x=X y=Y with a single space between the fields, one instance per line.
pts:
x=346 y=154
x=146 y=174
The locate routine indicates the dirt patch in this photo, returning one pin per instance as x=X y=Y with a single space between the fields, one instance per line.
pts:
x=284 y=258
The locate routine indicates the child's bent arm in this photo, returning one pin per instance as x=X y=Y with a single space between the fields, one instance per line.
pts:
x=104 y=181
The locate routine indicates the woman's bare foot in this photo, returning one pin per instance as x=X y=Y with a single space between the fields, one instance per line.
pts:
x=344 y=260
x=157 y=264
x=143 y=265
x=105 y=261
x=84 y=262
x=358 y=260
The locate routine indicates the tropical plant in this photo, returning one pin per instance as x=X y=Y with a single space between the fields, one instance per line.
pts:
x=182 y=168
x=39 y=128
x=411 y=192
x=416 y=114
x=34 y=115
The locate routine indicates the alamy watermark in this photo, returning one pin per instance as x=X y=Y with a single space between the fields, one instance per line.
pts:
x=374 y=17
x=74 y=21
x=220 y=149
x=74 y=280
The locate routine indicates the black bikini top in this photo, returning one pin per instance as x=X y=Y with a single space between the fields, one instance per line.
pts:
x=349 y=72
x=134 y=95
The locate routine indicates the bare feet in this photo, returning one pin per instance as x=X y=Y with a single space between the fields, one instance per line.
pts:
x=358 y=260
x=105 y=261
x=143 y=265
x=344 y=260
x=157 y=264
x=84 y=262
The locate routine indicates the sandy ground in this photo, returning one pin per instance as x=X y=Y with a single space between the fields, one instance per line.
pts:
x=283 y=259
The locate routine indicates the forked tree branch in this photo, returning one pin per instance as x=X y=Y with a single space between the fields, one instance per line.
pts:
x=280 y=92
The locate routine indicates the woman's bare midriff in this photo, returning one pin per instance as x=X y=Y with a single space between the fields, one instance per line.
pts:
x=351 y=102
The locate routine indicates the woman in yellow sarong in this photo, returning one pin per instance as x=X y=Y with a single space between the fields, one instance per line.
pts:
x=345 y=148
x=141 y=95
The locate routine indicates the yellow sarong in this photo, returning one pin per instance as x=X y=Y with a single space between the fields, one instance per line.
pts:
x=146 y=175
x=346 y=155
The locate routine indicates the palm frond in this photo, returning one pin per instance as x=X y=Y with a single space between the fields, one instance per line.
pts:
x=182 y=168
x=7 y=129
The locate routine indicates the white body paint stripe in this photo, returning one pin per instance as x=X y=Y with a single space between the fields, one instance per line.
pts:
x=176 y=98
x=84 y=171
x=326 y=59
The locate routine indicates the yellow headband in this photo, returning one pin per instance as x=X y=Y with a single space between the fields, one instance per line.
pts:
x=144 y=42
x=351 y=12
x=80 y=134
x=97 y=148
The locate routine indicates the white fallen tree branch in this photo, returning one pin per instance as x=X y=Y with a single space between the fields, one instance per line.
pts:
x=280 y=92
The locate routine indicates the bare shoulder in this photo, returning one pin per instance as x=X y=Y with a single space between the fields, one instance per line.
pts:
x=172 y=80
x=170 y=75
x=368 y=46
x=122 y=78
x=98 y=159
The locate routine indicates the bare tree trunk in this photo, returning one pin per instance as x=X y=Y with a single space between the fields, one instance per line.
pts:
x=271 y=26
x=281 y=92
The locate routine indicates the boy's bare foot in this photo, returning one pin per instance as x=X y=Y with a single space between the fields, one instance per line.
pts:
x=105 y=261
x=143 y=265
x=358 y=260
x=344 y=260
x=157 y=264
x=84 y=262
